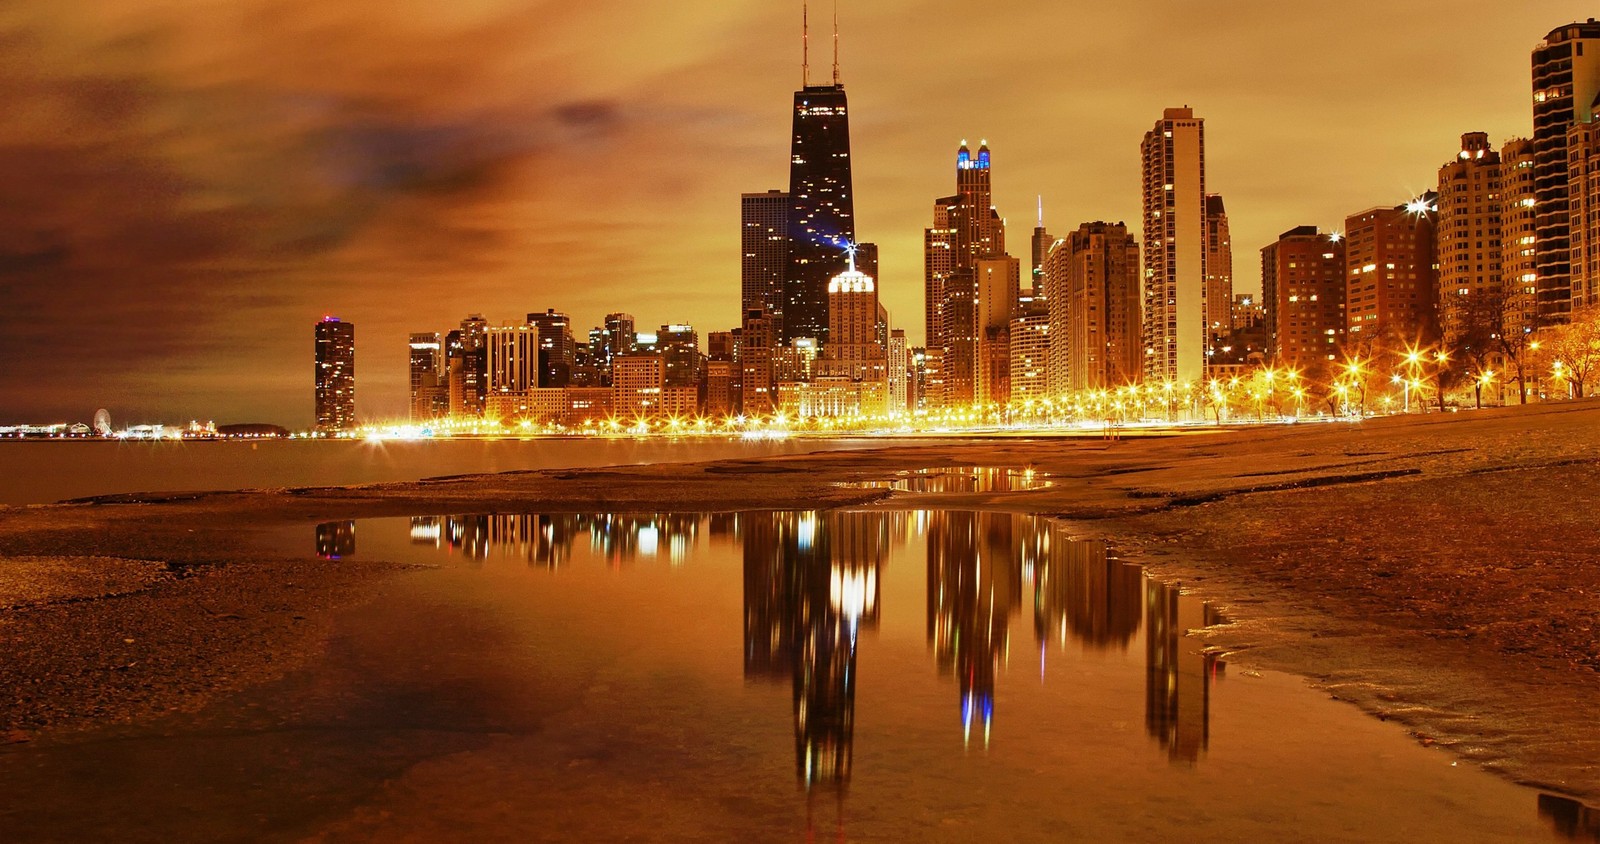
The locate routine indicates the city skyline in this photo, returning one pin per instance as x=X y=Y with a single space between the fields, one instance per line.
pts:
x=409 y=195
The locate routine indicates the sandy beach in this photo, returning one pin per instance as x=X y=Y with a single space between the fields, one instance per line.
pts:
x=1440 y=571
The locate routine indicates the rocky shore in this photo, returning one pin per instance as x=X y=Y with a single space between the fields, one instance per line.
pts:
x=1442 y=571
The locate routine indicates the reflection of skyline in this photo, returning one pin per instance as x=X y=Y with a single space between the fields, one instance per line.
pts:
x=1178 y=672
x=974 y=586
x=336 y=540
x=549 y=540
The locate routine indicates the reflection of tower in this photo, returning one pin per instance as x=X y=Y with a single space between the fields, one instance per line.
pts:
x=336 y=540
x=811 y=583
x=974 y=584
x=1082 y=592
x=1178 y=672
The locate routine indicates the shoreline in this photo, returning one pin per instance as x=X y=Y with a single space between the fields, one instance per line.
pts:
x=1438 y=571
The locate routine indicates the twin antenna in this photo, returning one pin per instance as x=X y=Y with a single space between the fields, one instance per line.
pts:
x=805 y=43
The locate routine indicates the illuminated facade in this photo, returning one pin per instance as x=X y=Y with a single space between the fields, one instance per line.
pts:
x=335 y=375
x=938 y=262
x=467 y=362
x=853 y=350
x=1469 y=231
x=763 y=250
x=1566 y=84
x=1030 y=349
x=430 y=396
x=1219 y=271
x=966 y=231
x=1304 y=272
x=821 y=209
x=1519 y=224
x=557 y=349
x=637 y=382
x=998 y=279
x=679 y=347
x=1391 y=278
x=1093 y=293
x=757 y=351
x=898 y=357
x=1583 y=199
x=513 y=370
x=1175 y=312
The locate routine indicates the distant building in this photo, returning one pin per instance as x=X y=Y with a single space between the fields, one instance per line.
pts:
x=898 y=357
x=1030 y=348
x=1469 y=232
x=853 y=350
x=821 y=207
x=637 y=382
x=557 y=348
x=1304 y=270
x=999 y=280
x=1175 y=313
x=430 y=393
x=757 y=364
x=1519 y=221
x=617 y=338
x=335 y=375
x=467 y=362
x=1391 y=275
x=679 y=347
x=1219 y=270
x=513 y=370
x=1566 y=87
x=1093 y=293
x=764 y=250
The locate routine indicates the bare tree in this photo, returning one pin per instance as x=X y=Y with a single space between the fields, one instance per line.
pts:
x=1575 y=348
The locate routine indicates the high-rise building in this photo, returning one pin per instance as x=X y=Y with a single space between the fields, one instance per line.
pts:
x=1469 y=234
x=999 y=280
x=467 y=362
x=336 y=375
x=1304 y=273
x=1392 y=279
x=1042 y=241
x=758 y=342
x=617 y=338
x=764 y=250
x=1566 y=84
x=821 y=207
x=1519 y=225
x=1030 y=350
x=898 y=357
x=513 y=359
x=430 y=396
x=938 y=263
x=638 y=382
x=1583 y=199
x=679 y=347
x=1175 y=313
x=557 y=349
x=853 y=350
x=1219 y=271
x=1093 y=293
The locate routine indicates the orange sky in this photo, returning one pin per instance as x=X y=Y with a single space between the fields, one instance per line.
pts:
x=186 y=186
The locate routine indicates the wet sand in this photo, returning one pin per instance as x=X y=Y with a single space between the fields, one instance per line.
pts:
x=1439 y=571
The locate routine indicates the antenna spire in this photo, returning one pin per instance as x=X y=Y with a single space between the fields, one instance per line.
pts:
x=835 y=42
x=1041 y=210
x=805 y=44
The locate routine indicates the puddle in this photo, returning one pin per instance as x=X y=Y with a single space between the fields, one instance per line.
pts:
x=973 y=479
x=874 y=675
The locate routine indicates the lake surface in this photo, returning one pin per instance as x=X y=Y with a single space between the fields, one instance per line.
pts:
x=792 y=676
x=41 y=472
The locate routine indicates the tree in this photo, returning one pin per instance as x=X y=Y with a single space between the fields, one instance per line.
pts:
x=1489 y=328
x=1574 y=348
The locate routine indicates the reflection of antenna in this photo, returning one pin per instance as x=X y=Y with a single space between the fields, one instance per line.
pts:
x=805 y=44
x=835 y=42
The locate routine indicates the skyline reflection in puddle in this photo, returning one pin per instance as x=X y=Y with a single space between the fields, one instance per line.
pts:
x=834 y=602
x=965 y=479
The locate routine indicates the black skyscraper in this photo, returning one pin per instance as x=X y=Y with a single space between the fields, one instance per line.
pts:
x=821 y=213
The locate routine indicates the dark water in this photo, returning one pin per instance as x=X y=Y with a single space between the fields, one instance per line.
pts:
x=848 y=675
x=41 y=472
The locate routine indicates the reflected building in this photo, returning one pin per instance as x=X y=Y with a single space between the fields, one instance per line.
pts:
x=1178 y=671
x=336 y=540
x=1081 y=592
x=811 y=585
x=552 y=540
x=974 y=587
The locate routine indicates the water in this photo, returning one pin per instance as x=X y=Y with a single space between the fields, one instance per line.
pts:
x=849 y=675
x=40 y=472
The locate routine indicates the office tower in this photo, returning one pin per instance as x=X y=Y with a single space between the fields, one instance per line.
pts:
x=898 y=357
x=1030 y=349
x=720 y=344
x=467 y=365
x=1583 y=199
x=999 y=280
x=617 y=338
x=513 y=359
x=586 y=369
x=1469 y=234
x=1175 y=248
x=336 y=375
x=721 y=387
x=938 y=262
x=430 y=397
x=557 y=350
x=764 y=250
x=1042 y=241
x=1304 y=274
x=1392 y=280
x=637 y=384
x=1093 y=293
x=821 y=209
x=758 y=340
x=1219 y=270
x=1566 y=82
x=679 y=347
x=853 y=350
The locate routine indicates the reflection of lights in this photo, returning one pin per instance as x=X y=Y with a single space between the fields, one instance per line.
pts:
x=649 y=536
x=853 y=593
x=425 y=530
x=806 y=531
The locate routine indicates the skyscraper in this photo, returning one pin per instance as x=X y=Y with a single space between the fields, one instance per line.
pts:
x=1469 y=241
x=336 y=375
x=969 y=229
x=1566 y=84
x=679 y=347
x=467 y=362
x=557 y=348
x=1175 y=248
x=938 y=262
x=1042 y=241
x=764 y=250
x=1519 y=223
x=1093 y=296
x=1583 y=192
x=429 y=395
x=853 y=350
x=821 y=209
x=1219 y=271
